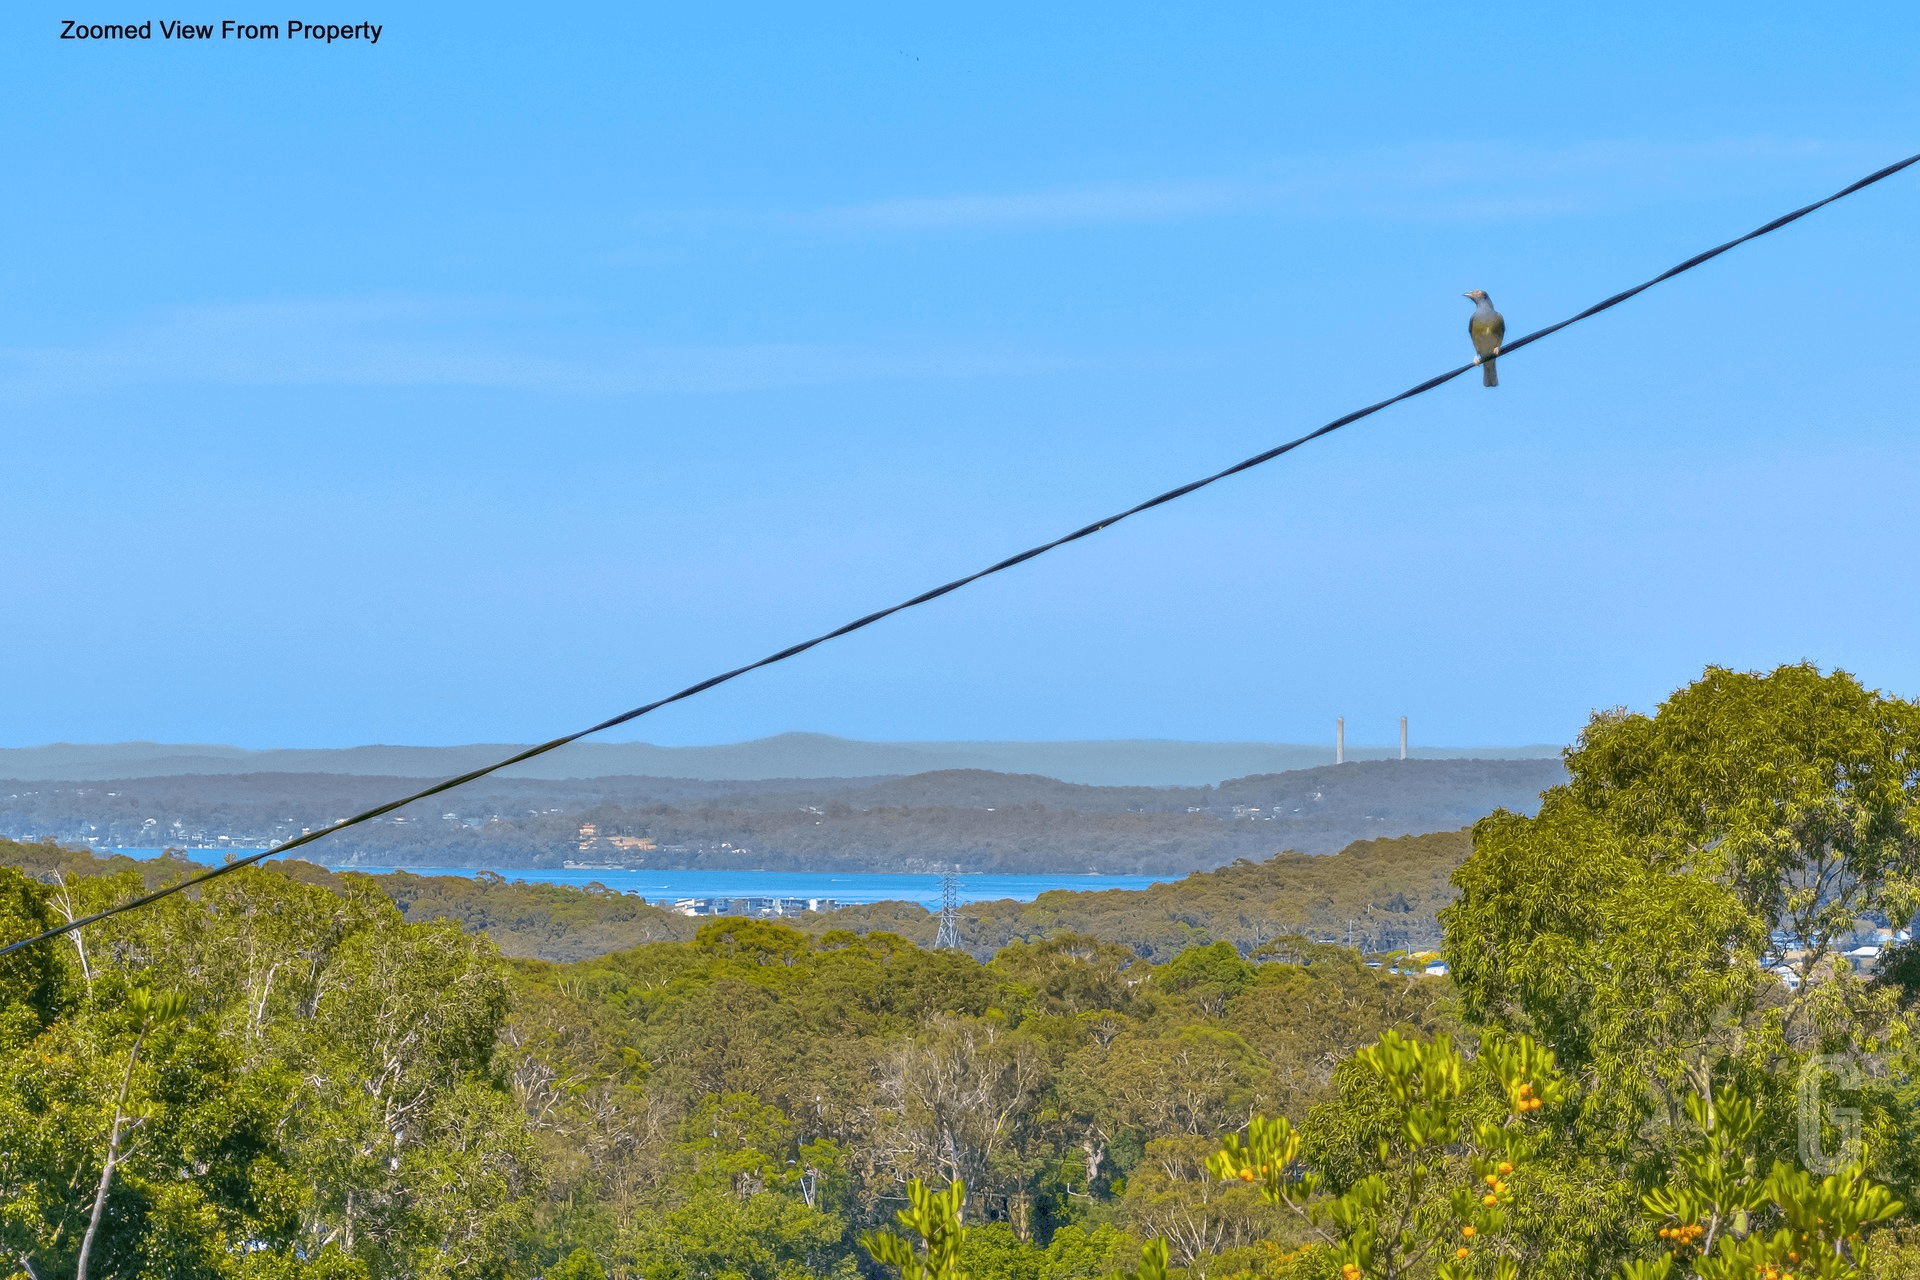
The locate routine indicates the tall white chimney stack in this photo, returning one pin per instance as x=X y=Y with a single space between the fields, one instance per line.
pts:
x=1403 y=737
x=1340 y=740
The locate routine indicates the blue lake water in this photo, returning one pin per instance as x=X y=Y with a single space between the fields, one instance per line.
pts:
x=842 y=887
x=845 y=887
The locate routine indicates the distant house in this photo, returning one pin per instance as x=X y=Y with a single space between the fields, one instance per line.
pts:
x=759 y=908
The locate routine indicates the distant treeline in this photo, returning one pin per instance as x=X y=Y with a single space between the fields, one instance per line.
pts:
x=1377 y=895
x=981 y=821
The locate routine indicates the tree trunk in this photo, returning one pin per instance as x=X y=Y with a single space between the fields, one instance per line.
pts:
x=113 y=1158
x=66 y=909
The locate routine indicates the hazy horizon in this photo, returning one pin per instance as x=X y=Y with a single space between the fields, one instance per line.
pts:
x=1139 y=762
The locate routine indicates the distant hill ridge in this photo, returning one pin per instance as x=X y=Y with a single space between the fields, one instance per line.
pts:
x=1008 y=823
x=1117 y=762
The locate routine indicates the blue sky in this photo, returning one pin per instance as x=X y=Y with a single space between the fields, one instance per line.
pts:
x=530 y=364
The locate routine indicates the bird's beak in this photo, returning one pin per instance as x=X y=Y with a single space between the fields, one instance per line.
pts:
x=1466 y=295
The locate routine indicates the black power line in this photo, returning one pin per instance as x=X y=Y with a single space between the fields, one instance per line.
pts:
x=924 y=597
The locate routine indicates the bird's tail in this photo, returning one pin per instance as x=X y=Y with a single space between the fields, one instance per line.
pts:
x=1488 y=378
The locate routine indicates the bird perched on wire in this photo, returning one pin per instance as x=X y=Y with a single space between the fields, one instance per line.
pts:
x=1487 y=328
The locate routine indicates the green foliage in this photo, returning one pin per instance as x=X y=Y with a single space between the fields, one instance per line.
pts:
x=1069 y=975
x=327 y=1108
x=387 y=1098
x=1716 y=1215
x=1375 y=894
x=1796 y=789
x=578 y=1265
x=1626 y=968
x=735 y=1141
x=1153 y=1263
x=1671 y=923
x=755 y=1237
x=29 y=979
x=1752 y=822
x=1076 y=1253
x=1414 y=1161
x=1208 y=976
x=352 y=1093
x=934 y=1219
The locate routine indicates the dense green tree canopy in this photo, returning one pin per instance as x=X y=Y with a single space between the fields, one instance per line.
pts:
x=1681 y=906
x=1610 y=1079
x=349 y=1094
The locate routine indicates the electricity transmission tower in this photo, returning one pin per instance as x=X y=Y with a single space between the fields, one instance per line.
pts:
x=949 y=935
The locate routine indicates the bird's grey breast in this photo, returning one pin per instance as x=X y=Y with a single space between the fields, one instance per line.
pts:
x=1486 y=327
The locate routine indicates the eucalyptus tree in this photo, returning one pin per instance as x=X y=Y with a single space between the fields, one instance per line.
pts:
x=1676 y=916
